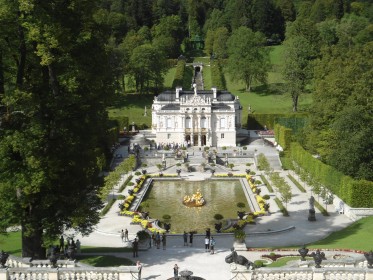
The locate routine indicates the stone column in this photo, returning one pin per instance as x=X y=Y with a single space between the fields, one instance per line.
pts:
x=199 y=139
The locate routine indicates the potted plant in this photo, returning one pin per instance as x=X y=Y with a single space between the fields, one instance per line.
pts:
x=239 y=235
x=241 y=213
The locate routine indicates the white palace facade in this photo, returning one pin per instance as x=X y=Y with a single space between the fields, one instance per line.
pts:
x=203 y=118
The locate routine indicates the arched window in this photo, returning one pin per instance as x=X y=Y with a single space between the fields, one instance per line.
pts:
x=188 y=123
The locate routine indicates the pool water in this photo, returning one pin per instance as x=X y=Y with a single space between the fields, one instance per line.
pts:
x=165 y=197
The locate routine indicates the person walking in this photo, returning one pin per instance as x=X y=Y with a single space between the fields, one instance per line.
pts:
x=191 y=238
x=212 y=245
x=77 y=244
x=139 y=268
x=126 y=235
x=135 y=248
x=62 y=243
x=158 y=240
x=208 y=232
x=207 y=244
x=122 y=235
x=185 y=236
x=176 y=271
x=153 y=239
x=164 y=241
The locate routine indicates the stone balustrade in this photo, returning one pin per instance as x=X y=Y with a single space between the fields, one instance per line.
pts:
x=69 y=273
x=325 y=273
x=14 y=262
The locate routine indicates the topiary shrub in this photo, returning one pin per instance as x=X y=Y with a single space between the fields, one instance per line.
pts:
x=258 y=263
x=143 y=235
x=266 y=197
x=218 y=217
x=137 y=173
x=166 y=217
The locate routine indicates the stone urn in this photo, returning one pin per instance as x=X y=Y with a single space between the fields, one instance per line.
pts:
x=318 y=257
x=241 y=214
x=303 y=253
x=167 y=227
x=53 y=258
x=218 y=227
x=369 y=258
x=71 y=252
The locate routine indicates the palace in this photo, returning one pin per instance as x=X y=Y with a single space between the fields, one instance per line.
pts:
x=203 y=118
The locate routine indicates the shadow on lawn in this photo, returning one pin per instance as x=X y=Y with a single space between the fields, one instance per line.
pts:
x=132 y=101
x=270 y=89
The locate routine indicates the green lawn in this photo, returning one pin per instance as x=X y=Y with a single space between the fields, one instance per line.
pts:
x=283 y=261
x=169 y=78
x=357 y=236
x=11 y=243
x=133 y=107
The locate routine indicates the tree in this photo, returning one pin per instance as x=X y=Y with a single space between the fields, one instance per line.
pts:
x=248 y=58
x=297 y=68
x=267 y=19
x=354 y=155
x=168 y=35
x=286 y=195
x=221 y=36
x=52 y=136
x=287 y=9
x=147 y=66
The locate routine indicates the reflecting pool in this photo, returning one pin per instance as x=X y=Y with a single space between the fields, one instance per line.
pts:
x=166 y=197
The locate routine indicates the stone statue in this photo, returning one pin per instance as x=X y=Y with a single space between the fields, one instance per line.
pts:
x=195 y=89
x=312 y=203
x=238 y=259
x=311 y=211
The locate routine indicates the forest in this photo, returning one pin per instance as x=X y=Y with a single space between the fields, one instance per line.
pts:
x=62 y=62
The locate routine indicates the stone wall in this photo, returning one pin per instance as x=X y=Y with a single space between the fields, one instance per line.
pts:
x=353 y=213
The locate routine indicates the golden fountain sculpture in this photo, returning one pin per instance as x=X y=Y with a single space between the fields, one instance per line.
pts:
x=196 y=200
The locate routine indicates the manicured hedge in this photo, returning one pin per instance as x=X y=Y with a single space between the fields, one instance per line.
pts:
x=258 y=121
x=217 y=76
x=283 y=136
x=356 y=193
x=179 y=74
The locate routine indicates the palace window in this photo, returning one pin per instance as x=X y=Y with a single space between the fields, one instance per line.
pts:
x=222 y=136
x=188 y=123
x=203 y=122
x=170 y=123
x=223 y=123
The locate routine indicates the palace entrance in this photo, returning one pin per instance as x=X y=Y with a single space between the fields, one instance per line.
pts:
x=195 y=140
